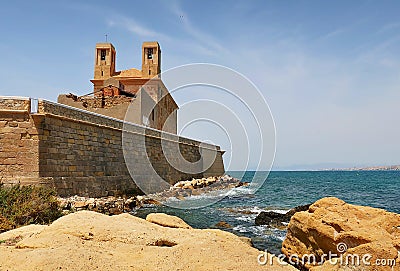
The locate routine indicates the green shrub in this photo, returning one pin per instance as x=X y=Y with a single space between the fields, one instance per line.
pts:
x=23 y=205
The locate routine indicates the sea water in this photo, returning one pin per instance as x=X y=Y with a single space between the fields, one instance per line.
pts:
x=283 y=190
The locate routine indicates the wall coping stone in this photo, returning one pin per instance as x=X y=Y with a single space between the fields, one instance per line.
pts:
x=14 y=98
x=137 y=128
x=44 y=109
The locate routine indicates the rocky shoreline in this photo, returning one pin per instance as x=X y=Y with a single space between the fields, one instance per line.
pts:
x=117 y=205
x=90 y=240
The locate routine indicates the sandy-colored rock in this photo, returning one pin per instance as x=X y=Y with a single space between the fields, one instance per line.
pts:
x=223 y=224
x=167 y=220
x=22 y=232
x=91 y=241
x=246 y=240
x=332 y=226
x=149 y=201
x=188 y=186
x=90 y=201
x=81 y=204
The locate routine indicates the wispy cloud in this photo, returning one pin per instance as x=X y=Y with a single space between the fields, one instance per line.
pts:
x=201 y=37
x=389 y=27
x=202 y=42
x=344 y=29
x=135 y=27
x=118 y=20
x=379 y=51
x=333 y=34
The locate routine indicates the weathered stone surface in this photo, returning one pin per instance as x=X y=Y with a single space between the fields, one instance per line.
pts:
x=91 y=241
x=167 y=220
x=22 y=232
x=246 y=240
x=18 y=144
x=105 y=205
x=332 y=226
x=81 y=204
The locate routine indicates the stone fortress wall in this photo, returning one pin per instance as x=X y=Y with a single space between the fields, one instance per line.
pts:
x=80 y=152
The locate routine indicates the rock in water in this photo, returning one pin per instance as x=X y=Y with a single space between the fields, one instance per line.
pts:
x=271 y=218
x=223 y=224
x=332 y=226
x=275 y=219
x=300 y=208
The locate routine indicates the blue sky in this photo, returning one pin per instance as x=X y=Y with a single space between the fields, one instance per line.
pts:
x=330 y=70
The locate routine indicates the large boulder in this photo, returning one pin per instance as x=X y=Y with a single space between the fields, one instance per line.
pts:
x=363 y=238
x=87 y=240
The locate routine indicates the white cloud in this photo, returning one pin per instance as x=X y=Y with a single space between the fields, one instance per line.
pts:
x=374 y=54
x=134 y=27
x=389 y=27
x=203 y=38
x=334 y=33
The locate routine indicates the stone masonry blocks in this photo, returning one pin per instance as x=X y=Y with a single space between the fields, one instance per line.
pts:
x=79 y=152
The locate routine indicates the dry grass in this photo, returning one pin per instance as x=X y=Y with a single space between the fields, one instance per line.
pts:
x=24 y=205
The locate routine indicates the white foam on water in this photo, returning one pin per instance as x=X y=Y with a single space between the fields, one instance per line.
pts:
x=282 y=238
x=280 y=211
x=240 y=228
x=257 y=230
x=255 y=210
x=243 y=190
x=262 y=231
x=245 y=218
x=206 y=195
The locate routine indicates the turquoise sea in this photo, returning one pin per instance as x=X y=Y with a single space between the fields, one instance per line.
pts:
x=283 y=190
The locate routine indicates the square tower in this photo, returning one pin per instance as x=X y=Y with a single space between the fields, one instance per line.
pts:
x=151 y=59
x=104 y=66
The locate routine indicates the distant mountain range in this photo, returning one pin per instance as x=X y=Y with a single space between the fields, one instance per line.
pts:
x=380 y=168
x=334 y=166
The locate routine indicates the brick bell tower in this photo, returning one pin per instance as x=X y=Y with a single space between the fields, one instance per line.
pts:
x=151 y=59
x=104 y=66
